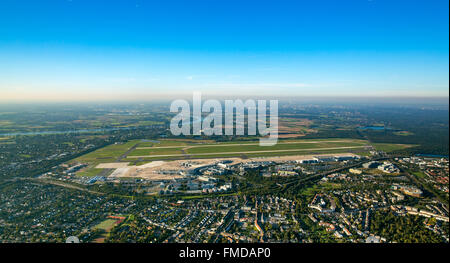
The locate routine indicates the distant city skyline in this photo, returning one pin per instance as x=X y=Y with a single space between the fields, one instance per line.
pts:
x=140 y=50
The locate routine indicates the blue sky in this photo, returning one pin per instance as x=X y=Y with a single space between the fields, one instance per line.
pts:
x=73 y=49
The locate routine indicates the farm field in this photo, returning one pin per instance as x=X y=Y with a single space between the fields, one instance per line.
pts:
x=6 y=140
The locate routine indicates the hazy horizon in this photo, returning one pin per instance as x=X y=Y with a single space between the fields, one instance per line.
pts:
x=304 y=100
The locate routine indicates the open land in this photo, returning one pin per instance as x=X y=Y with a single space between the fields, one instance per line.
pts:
x=154 y=160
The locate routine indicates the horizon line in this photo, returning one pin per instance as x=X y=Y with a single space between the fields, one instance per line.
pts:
x=168 y=97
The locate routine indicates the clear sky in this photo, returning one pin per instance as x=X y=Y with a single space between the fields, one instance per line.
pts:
x=135 y=49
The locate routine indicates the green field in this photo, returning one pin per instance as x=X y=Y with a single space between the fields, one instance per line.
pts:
x=181 y=142
x=142 y=160
x=106 y=225
x=420 y=174
x=90 y=172
x=107 y=154
x=389 y=147
x=140 y=150
x=6 y=140
x=248 y=148
x=173 y=150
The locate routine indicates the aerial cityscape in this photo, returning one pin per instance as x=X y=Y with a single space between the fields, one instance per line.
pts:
x=95 y=147
x=132 y=181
